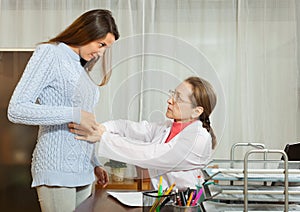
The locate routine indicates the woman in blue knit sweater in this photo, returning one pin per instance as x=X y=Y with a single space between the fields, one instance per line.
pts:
x=54 y=90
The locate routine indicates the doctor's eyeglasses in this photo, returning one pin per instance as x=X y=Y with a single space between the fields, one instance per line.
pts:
x=177 y=98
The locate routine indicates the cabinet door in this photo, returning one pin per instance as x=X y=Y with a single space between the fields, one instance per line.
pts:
x=16 y=141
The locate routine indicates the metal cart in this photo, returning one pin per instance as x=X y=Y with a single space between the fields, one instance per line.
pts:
x=253 y=181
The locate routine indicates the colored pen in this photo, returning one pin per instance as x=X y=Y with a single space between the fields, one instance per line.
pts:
x=182 y=198
x=159 y=200
x=195 y=194
x=166 y=193
x=170 y=189
x=190 y=199
x=187 y=192
x=160 y=191
x=166 y=200
x=178 y=202
x=155 y=204
x=197 y=197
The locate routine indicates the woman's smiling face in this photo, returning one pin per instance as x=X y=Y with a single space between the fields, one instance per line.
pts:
x=95 y=48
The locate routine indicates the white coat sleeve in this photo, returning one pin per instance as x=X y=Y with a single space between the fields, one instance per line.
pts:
x=190 y=149
x=140 y=131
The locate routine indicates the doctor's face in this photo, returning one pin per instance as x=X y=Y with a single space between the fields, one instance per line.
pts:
x=180 y=106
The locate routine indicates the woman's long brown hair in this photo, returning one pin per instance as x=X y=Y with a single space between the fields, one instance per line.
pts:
x=90 y=26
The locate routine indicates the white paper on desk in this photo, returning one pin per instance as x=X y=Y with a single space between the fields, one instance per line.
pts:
x=128 y=198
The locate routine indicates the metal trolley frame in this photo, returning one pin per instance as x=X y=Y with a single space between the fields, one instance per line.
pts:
x=246 y=174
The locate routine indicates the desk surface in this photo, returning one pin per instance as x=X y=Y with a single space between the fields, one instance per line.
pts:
x=101 y=201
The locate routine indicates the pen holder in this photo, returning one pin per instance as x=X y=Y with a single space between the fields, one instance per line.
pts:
x=154 y=203
x=178 y=208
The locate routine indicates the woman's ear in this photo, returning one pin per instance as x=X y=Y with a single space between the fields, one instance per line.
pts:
x=197 y=111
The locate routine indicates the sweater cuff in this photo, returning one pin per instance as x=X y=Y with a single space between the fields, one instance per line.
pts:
x=76 y=115
x=96 y=162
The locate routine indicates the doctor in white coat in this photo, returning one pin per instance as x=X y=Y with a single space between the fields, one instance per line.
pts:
x=175 y=149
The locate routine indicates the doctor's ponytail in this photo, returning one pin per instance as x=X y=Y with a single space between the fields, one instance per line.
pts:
x=204 y=96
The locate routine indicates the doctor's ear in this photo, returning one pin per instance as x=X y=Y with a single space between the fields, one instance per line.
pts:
x=197 y=111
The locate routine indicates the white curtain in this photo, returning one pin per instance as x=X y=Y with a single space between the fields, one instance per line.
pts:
x=266 y=73
x=248 y=50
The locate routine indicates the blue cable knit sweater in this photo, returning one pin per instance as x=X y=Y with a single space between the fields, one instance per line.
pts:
x=53 y=89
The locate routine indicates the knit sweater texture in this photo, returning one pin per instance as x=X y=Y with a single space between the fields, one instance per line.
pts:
x=51 y=92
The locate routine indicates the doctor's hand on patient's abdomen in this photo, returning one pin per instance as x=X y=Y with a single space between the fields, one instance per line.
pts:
x=92 y=135
x=87 y=121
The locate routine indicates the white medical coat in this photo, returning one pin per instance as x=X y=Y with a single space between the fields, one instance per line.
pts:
x=143 y=144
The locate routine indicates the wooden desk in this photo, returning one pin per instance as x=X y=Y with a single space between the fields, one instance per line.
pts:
x=136 y=185
x=101 y=201
x=141 y=183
